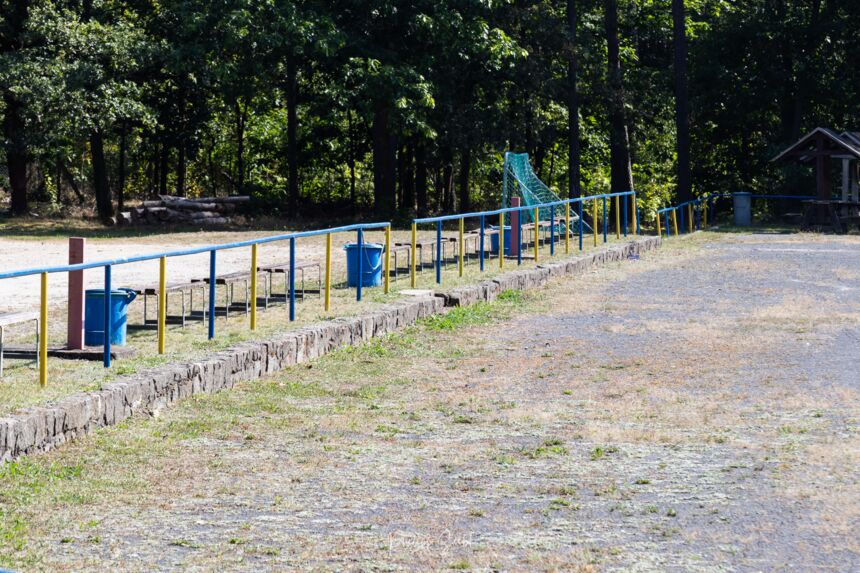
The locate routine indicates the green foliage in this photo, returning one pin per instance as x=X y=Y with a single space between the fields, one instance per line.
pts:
x=197 y=97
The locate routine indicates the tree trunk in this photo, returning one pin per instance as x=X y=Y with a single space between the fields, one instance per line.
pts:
x=292 y=148
x=241 y=117
x=421 y=179
x=181 y=169
x=120 y=189
x=104 y=204
x=621 y=176
x=384 y=163
x=351 y=158
x=446 y=203
x=682 y=102
x=465 y=170
x=17 y=156
x=574 y=185
x=163 y=158
x=407 y=180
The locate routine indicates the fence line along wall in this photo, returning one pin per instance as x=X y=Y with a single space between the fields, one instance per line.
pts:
x=42 y=428
x=621 y=201
x=692 y=215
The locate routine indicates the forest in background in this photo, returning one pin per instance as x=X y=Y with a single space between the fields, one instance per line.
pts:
x=398 y=107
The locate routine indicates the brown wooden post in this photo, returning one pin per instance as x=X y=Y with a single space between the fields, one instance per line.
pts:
x=822 y=177
x=75 y=327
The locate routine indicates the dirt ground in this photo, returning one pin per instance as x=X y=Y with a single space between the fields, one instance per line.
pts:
x=696 y=410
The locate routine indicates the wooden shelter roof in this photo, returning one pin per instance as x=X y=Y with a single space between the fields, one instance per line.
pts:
x=823 y=141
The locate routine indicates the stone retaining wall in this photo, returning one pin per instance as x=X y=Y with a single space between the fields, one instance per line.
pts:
x=532 y=278
x=42 y=428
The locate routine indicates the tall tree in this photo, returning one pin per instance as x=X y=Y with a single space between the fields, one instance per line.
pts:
x=682 y=101
x=620 y=168
x=12 y=43
x=574 y=158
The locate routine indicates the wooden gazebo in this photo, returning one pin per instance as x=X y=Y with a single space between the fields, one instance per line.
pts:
x=822 y=146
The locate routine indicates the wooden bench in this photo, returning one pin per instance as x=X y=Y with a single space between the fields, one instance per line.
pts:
x=181 y=288
x=284 y=269
x=12 y=319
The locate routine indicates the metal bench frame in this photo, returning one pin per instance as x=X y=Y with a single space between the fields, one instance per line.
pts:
x=13 y=319
x=181 y=288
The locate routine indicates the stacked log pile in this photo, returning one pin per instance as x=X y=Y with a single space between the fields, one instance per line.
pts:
x=204 y=211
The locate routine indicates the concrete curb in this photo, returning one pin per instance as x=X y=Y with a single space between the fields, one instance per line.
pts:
x=43 y=428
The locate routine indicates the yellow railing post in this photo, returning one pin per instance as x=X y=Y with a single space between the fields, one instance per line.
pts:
x=659 y=230
x=254 y=287
x=594 y=220
x=705 y=215
x=162 y=303
x=387 y=269
x=501 y=240
x=43 y=333
x=675 y=221
x=690 y=213
x=327 y=271
x=536 y=230
x=566 y=228
x=634 y=218
x=462 y=245
x=617 y=218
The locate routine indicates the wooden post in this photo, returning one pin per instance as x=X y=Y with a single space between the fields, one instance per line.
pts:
x=75 y=324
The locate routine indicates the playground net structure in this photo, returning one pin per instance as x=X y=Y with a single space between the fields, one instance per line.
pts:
x=520 y=180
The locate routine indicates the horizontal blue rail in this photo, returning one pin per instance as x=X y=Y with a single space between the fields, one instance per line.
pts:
x=459 y=216
x=194 y=251
x=700 y=200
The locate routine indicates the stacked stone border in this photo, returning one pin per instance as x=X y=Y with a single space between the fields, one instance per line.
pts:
x=43 y=428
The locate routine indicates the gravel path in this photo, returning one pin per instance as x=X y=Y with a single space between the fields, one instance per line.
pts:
x=697 y=410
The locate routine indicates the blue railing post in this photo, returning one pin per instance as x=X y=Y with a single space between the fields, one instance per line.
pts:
x=212 y=293
x=604 y=218
x=580 y=222
x=359 y=242
x=438 y=252
x=626 y=215
x=481 y=246
x=552 y=230
x=293 y=274
x=107 y=318
x=683 y=220
x=519 y=237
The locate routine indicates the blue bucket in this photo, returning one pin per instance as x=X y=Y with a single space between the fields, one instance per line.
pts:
x=494 y=240
x=94 y=316
x=371 y=264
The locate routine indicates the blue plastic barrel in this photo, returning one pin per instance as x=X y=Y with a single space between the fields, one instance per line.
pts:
x=371 y=264
x=94 y=316
x=494 y=240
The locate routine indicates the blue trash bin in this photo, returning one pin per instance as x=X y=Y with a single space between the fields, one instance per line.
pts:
x=494 y=240
x=94 y=316
x=371 y=264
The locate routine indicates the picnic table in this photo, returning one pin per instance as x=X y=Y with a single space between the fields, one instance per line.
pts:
x=836 y=212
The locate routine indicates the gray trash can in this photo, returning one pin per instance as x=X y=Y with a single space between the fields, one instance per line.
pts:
x=743 y=209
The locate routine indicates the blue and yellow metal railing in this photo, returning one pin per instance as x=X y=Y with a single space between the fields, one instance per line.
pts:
x=693 y=214
x=254 y=244
x=623 y=209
